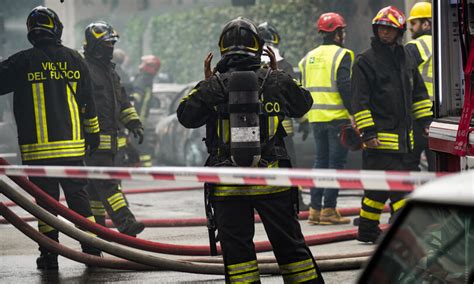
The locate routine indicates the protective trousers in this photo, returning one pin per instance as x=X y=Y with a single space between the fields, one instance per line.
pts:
x=373 y=202
x=106 y=195
x=235 y=226
x=76 y=198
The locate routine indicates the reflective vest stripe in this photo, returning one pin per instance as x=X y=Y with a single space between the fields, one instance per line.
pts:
x=319 y=68
x=424 y=45
x=73 y=111
x=40 y=113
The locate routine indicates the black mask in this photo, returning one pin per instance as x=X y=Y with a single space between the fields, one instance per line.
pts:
x=104 y=52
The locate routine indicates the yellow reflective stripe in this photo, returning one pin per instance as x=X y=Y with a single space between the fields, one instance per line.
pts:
x=91 y=125
x=247 y=191
x=128 y=114
x=53 y=154
x=374 y=204
x=73 y=111
x=122 y=142
x=369 y=215
x=105 y=142
x=365 y=124
x=387 y=146
x=423 y=113
x=115 y=197
x=92 y=219
x=296 y=266
x=272 y=126
x=301 y=277
x=399 y=204
x=98 y=212
x=242 y=267
x=245 y=278
x=44 y=228
x=40 y=113
x=362 y=114
x=96 y=203
x=190 y=93
x=119 y=205
x=226 y=130
x=64 y=144
x=421 y=104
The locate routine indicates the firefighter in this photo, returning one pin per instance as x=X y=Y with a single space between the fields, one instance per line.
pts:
x=270 y=35
x=114 y=111
x=326 y=72
x=388 y=94
x=421 y=48
x=238 y=101
x=143 y=92
x=55 y=115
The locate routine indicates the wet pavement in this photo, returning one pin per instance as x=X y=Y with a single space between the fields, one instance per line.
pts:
x=18 y=252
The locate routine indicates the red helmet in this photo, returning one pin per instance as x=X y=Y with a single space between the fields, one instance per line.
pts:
x=350 y=137
x=392 y=17
x=150 y=64
x=329 y=22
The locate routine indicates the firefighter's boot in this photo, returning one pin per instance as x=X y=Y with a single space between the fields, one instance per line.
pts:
x=47 y=261
x=369 y=230
x=131 y=227
x=331 y=216
x=314 y=216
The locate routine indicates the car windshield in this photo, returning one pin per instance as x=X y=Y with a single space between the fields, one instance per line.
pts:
x=433 y=244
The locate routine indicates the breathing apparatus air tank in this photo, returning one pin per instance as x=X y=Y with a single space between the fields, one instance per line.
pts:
x=244 y=110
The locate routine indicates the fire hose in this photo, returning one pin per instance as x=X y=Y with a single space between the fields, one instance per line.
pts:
x=151 y=246
x=127 y=253
x=136 y=191
x=190 y=222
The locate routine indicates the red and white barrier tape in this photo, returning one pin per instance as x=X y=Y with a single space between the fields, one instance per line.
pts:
x=323 y=178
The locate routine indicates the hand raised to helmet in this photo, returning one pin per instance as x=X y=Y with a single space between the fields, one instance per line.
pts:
x=208 y=72
x=268 y=51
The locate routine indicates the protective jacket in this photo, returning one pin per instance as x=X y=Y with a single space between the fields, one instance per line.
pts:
x=113 y=105
x=281 y=96
x=388 y=93
x=422 y=49
x=323 y=71
x=52 y=102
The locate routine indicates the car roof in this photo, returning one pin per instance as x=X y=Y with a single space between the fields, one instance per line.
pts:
x=455 y=189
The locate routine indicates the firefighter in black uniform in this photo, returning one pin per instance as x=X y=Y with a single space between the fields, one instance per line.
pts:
x=279 y=96
x=54 y=113
x=114 y=111
x=388 y=94
x=142 y=99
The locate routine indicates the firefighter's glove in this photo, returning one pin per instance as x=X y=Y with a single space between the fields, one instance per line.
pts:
x=92 y=142
x=304 y=127
x=139 y=134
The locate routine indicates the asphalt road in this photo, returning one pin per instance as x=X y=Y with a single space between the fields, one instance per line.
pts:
x=18 y=252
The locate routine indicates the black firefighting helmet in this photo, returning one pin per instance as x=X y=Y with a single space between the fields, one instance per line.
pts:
x=269 y=33
x=43 y=23
x=240 y=36
x=97 y=33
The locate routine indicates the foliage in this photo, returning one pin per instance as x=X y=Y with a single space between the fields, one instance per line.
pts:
x=182 y=40
x=132 y=37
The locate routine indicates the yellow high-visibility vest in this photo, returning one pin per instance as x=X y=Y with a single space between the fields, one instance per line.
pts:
x=319 y=74
x=424 y=44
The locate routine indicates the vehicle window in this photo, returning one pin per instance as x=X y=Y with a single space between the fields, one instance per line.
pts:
x=431 y=245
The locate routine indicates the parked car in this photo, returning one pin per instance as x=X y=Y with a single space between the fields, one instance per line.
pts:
x=432 y=241
x=174 y=144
